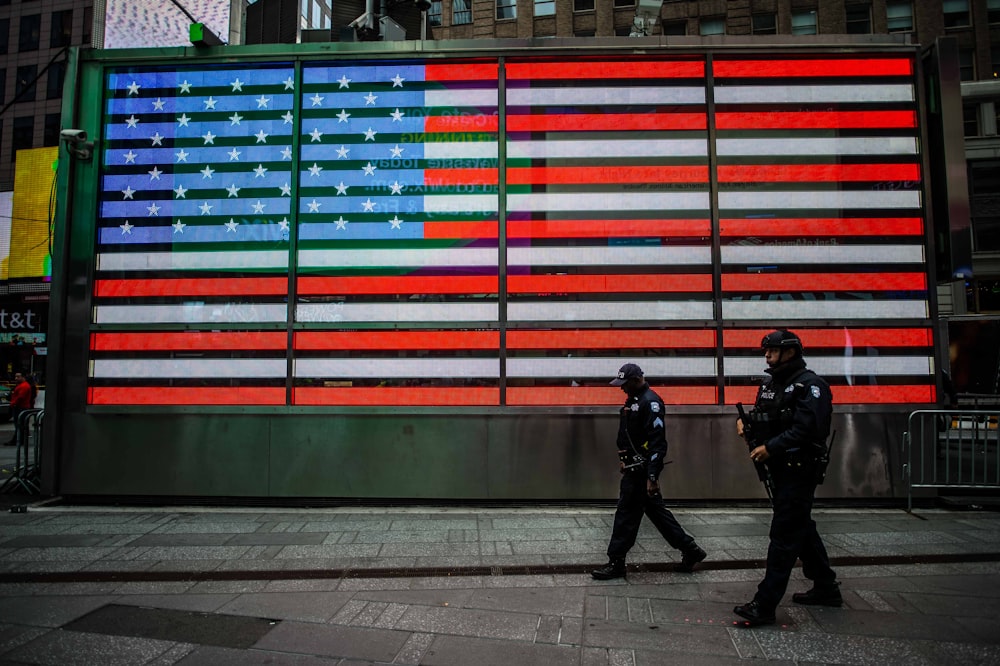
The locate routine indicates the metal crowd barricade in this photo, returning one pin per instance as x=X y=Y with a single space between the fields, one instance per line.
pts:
x=25 y=475
x=951 y=448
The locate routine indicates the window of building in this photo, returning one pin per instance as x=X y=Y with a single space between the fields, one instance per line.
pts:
x=24 y=135
x=859 y=19
x=675 y=28
x=623 y=31
x=899 y=16
x=506 y=9
x=62 y=29
x=624 y=3
x=4 y=35
x=545 y=7
x=31 y=29
x=995 y=61
x=50 y=137
x=434 y=13
x=993 y=10
x=584 y=33
x=956 y=13
x=970 y=119
x=765 y=24
x=461 y=12
x=88 y=25
x=967 y=64
x=712 y=25
x=57 y=72
x=804 y=22
x=24 y=86
x=984 y=188
x=583 y=5
x=3 y=85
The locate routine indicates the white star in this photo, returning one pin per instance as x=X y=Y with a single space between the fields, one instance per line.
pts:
x=314 y=206
x=156 y=139
x=259 y=171
x=288 y=118
x=205 y=208
x=185 y=87
x=397 y=116
x=235 y=119
x=231 y=225
x=262 y=102
x=182 y=156
x=316 y=134
x=133 y=88
x=370 y=169
x=395 y=222
x=397 y=81
x=286 y=153
x=343 y=152
x=370 y=99
x=396 y=188
x=314 y=170
x=209 y=103
x=396 y=151
x=258 y=208
x=183 y=120
x=131 y=121
x=317 y=100
x=369 y=205
x=370 y=134
x=237 y=84
x=178 y=227
x=155 y=173
x=286 y=190
x=341 y=188
x=128 y=192
x=341 y=222
x=234 y=155
x=158 y=104
x=209 y=138
x=289 y=83
x=207 y=172
x=233 y=190
x=344 y=81
x=180 y=191
x=283 y=224
x=262 y=137
x=343 y=116
x=130 y=157
x=153 y=209
x=126 y=228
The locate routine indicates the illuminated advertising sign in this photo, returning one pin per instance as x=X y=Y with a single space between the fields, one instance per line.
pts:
x=145 y=23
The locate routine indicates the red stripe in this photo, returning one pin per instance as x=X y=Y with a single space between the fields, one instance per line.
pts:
x=477 y=230
x=480 y=123
x=448 y=177
x=813 y=68
x=613 y=174
x=833 y=226
x=789 y=173
x=402 y=284
x=190 y=340
x=542 y=396
x=474 y=71
x=235 y=286
x=187 y=395
x=606 y=228
x=606 y=122
x=465 y=396
x=392 y=340
x=611 y=339
x=816 y=120
x=857 y=395
x=620 y=69
x=737 y=338
x=788 y=282
x=607 y=284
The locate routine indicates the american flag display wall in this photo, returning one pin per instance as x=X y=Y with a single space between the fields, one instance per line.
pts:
x=489 y=232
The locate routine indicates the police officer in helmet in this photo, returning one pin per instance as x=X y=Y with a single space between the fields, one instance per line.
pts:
x=642 y=445
x=787 y=432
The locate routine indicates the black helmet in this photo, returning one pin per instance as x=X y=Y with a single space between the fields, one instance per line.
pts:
x=781 y=340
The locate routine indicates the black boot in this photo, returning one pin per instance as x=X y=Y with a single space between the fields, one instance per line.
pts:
x=692 y=556
x=820 y=595
x=754 y=614
x=613 y=569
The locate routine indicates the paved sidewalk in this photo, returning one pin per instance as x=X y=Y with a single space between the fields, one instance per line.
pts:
x=474 y=586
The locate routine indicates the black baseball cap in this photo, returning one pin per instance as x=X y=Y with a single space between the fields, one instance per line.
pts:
x=625 y=373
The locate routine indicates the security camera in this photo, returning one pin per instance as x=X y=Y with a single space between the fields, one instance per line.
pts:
x=77 y=144
x=73 y=135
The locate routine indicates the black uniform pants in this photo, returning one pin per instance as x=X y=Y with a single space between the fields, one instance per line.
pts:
x=633 y=502
x=793 y=536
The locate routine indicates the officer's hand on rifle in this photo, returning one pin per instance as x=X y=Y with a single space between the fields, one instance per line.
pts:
x=739 y=427
x=652 y=487
x=759 y=454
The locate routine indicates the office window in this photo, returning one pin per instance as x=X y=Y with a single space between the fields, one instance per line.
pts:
x=624 y=3
x=31 y=29
x=62 y=29
x=583 y=5
x=967 y=64
x=545 y=7
x=50 y=136
x=506 y=9
x=624 y=31
x=88 y=25
x=859 y=19
x=995 y=61
x=24 y=86
x=993 y=10
x=461 y=12
x=765 y=24
x=984 y=186
x=3 y=86
x=4 y=35
x=712 y=25
x=675 y=28
x=956 y=13
x=584 y=33
x=24 y=135
x=970 y=119
x=804 y=22
x=434 y=13
x=57 y=72
x=899 y=16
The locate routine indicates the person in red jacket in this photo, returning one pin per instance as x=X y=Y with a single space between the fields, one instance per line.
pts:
x=21 y=398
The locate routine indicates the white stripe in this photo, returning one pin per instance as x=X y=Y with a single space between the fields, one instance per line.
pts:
x=919 y=366
x=462 y=203
x=783 y=94
x=596 y=149
x=569 y=368
x=466 y=150
x=800 y=310
x=604 y=96
x=607 y=201
x=822 y=254
x=146 y=261
x=194 y=313
x=386 y=368
x=619 y=255
x=889 y=145
x=464 y=97
x=459 y=256
x=184 y=368
x=396 y=312
x=610 y=311
x=835 y=199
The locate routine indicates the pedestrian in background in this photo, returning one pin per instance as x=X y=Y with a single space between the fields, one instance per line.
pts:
x=642 y=446
x=21 y=398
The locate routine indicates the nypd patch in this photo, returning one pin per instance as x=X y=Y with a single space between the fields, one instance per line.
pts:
x=815 y=391
x=654 y=407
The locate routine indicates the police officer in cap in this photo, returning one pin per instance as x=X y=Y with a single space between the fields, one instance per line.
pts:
x=642 y=445
x=788 y=428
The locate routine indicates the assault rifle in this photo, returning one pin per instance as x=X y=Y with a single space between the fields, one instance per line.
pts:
x=762 y=473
